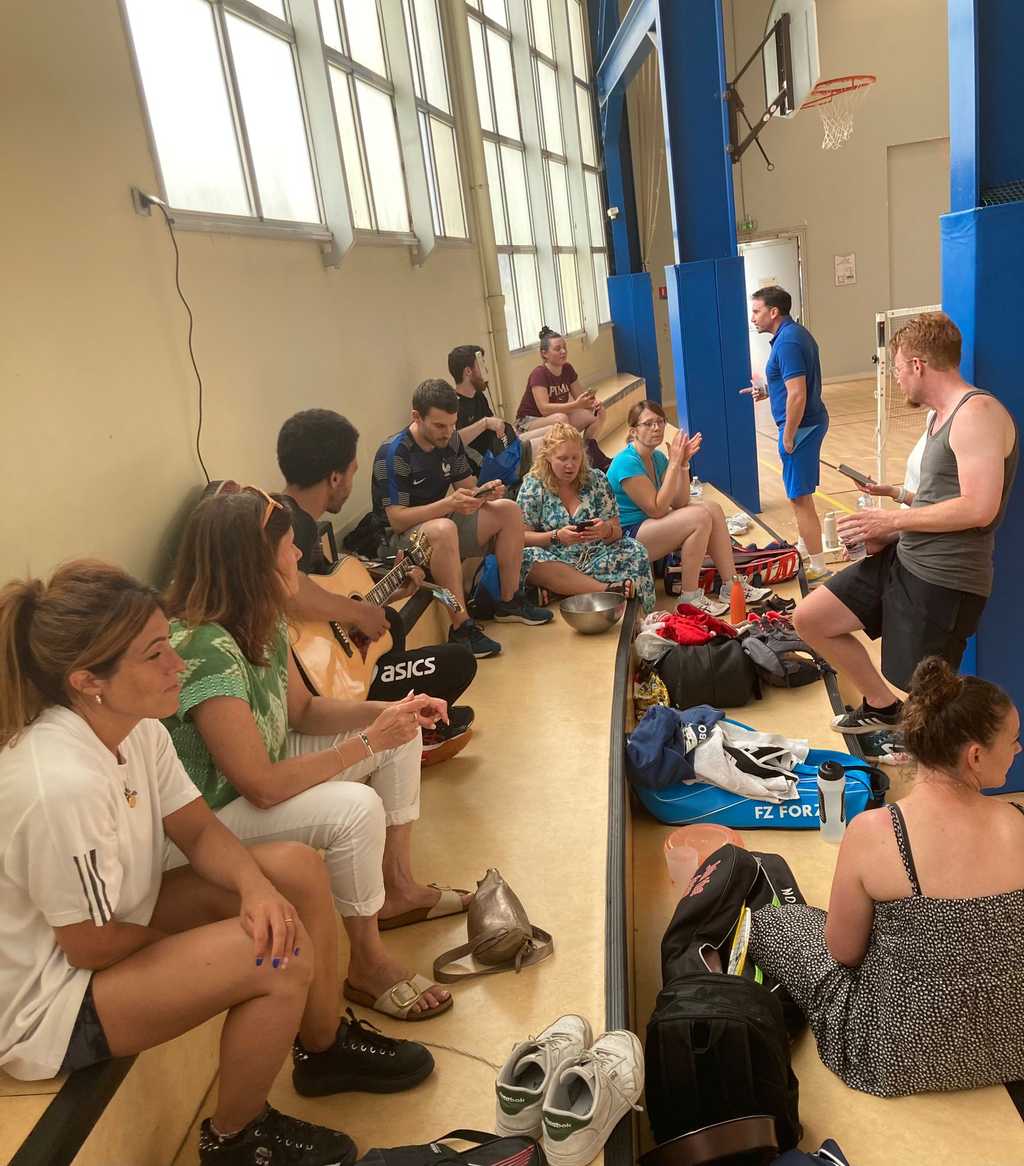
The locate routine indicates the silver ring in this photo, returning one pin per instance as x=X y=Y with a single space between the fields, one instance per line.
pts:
x=288 y=919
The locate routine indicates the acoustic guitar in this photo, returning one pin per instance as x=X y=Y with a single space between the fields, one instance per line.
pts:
x=337 y=662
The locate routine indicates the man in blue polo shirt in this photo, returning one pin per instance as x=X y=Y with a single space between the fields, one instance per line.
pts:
x=423 y=480
x=793 y=373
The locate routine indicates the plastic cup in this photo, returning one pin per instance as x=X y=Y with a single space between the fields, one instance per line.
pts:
x=681 y=862
x=694 y=844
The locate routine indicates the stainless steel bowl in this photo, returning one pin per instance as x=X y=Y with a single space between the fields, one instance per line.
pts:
x=593 y=613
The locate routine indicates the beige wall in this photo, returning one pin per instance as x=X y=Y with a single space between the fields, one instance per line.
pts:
x=99 y=398
x=841 y=198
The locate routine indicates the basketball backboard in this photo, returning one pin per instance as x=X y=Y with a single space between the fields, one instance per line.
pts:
x=803 y=54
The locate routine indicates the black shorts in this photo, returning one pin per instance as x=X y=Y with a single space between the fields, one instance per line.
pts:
x=915 y=619
x=88 y=1043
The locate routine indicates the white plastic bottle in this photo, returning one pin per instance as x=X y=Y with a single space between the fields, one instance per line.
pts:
x=832 y=801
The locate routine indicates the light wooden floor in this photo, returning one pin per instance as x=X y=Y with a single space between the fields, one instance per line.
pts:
x=980 y=1127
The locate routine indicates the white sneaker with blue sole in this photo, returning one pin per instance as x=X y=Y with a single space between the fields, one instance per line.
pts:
x=530 y=1069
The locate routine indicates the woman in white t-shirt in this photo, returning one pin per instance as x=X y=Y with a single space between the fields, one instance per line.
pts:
x=101 y=954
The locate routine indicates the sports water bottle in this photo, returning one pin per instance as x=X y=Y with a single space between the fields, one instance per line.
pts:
x=832 y=801
x=737 y=602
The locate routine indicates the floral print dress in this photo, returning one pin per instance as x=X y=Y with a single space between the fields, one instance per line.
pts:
x=607 y=562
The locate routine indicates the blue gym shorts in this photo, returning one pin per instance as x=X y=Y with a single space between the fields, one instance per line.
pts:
x=801 y=469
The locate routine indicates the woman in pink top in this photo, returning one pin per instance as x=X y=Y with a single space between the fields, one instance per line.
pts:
x=554 y=395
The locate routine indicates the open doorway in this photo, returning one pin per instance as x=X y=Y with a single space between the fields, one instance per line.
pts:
x=774 y=258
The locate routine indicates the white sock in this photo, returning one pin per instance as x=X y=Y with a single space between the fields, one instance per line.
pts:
x=690 y=596
x=818 y=561
x=801 y=547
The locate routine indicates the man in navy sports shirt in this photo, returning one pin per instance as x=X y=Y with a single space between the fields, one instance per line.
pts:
x=793 y=373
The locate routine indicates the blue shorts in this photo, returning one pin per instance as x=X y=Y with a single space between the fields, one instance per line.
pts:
x=629 y=529
x=801 y=469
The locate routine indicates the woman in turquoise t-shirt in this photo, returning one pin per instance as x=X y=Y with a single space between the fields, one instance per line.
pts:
x=653 y=494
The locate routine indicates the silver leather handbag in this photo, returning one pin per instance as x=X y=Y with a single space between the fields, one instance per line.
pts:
x=501 y=935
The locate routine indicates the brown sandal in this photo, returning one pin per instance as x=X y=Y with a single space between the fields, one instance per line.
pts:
x=449 y=903
x=625 y=587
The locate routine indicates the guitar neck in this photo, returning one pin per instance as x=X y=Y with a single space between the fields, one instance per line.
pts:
x=386 y=586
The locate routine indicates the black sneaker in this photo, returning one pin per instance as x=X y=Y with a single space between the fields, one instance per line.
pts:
x=461 y=716
x=518 y=610
x=470 y=636
x=276 y=1139
x=866 y=720
x=361 y=1060
x=885 y=747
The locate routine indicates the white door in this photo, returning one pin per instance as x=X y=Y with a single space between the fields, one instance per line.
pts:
x=769 y=262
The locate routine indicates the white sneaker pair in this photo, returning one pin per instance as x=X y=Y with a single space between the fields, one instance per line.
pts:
x=569 y=1091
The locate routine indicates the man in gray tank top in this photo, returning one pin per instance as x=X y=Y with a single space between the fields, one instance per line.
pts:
x=928 y=571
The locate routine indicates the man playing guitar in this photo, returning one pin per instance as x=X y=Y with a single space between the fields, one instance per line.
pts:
x=316 y=453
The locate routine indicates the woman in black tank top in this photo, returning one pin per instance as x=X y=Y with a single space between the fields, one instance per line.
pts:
x=912 y=981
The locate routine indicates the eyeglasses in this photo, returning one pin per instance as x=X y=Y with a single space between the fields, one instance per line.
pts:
x=656 y=423
x=230 y=487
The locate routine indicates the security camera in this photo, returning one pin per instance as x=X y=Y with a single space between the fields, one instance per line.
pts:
x=613 y=213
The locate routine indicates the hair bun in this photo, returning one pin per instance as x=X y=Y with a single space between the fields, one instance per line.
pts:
x=935 y=684
x=545 y=332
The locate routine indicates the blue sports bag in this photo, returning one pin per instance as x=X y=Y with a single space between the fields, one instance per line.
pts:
x=683 y=805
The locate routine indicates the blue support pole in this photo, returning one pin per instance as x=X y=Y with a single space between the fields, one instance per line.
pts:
x=630 y=294
x=706 y=288
x=982 y=257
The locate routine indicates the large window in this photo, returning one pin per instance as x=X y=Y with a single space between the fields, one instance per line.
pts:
x=437 y=125
x=364 y=104
x=556 y=166
x=225 y=106
x=588 y=150
x=505 y=156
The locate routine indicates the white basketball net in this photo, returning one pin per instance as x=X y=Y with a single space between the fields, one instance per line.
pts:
x=837 y=116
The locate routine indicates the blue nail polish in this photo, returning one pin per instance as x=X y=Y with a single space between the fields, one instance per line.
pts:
x=295 y=952
x=259 y=962
x=276 y=962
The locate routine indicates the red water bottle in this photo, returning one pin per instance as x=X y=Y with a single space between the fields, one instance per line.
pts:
x=737 y=602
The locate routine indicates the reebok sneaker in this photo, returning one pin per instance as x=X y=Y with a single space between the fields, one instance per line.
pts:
x=588 y=1097
x=532 y=1066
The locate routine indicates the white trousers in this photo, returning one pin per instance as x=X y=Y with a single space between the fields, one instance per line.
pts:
x=346 y=818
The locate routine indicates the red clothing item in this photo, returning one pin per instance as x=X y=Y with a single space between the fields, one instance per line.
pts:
x=690 y=625
x=557 y=387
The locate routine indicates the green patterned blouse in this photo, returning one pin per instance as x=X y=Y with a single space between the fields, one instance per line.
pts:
x=215 y=666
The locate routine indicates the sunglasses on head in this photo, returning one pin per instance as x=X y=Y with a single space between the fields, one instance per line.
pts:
x=230 y=487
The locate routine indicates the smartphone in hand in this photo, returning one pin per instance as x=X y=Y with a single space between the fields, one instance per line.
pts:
x=856 y=475
x=486 y=488
x=586 y=524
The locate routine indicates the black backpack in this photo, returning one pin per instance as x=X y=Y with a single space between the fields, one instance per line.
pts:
x=718 y=673
x=781 y=657
x=717 y=1045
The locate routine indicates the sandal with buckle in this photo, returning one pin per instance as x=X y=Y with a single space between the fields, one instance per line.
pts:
x=625 y=587
x=397 y=1002
x=449 y=903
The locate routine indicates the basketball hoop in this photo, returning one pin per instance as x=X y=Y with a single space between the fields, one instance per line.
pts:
x=836 y=101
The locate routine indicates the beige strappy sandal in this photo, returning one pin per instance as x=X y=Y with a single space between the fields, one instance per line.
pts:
x=449 y=903
x=399 y=1000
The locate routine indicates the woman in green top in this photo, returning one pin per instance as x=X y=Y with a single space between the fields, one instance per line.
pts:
x=276 y=762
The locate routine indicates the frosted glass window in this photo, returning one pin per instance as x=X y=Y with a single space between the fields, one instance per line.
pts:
x=508 y=287
x=329 y=24
x=276 y=7
x=474 y=4
x=483 y=88
x=431 y=46
x=500 y=53
x=356 y=181
x=364 y=41
x=383 y=157
x=448 y=182
x=269 y=91
x=604 y=311
x=428 y=158
x=584 y=110
x=547 y=83
x=595 y=209
x=572 y=318
x=495 y=9
x=541 y=11
x=528 y=287
x=513 y=165
x=577 y=39
x=561 y=219
x=494 y=185
x=189 y=108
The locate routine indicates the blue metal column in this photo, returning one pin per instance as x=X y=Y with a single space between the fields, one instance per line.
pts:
x=982 y=258
x=706 y=288
x=630 y=294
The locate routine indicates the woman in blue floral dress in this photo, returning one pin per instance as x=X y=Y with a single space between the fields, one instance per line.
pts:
x=574 y=542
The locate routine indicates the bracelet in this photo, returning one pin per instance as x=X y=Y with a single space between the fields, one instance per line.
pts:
x=901 y=496
x=366 y=743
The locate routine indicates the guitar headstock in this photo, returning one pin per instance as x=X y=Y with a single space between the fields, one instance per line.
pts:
x=419 y=549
